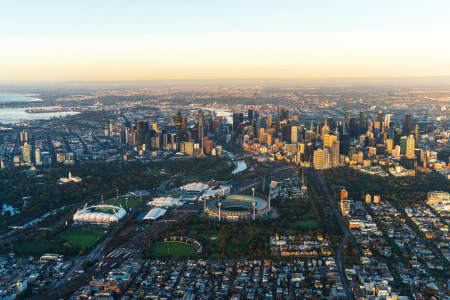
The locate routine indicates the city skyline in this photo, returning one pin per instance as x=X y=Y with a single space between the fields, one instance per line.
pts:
x=143 y=40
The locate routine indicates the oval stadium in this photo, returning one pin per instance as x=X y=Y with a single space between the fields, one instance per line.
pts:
x=99 y=215
x=237 y=207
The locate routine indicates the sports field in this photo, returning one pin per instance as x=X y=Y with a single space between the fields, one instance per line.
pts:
x=131 y=203
x=83 y=238
x=172 y=249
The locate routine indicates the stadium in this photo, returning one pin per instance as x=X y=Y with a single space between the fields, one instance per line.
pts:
x=99 y=215
x=237 y=207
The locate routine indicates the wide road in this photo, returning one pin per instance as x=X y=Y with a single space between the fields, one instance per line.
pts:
x=344 y=229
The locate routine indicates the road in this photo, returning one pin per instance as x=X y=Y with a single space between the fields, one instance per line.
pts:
x=345 y=230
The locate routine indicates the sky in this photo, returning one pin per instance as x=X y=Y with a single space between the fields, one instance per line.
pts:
x=125 y=40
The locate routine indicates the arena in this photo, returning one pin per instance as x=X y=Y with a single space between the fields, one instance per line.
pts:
x=99 y=215
x=237 y=207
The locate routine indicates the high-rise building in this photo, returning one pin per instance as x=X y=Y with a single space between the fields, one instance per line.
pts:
x=200 y=126
x=321 y=159
x=389 y=145
x=345 y=206
x=410 y=146
x=141 y=131
x=250 y=115
x=417 y=133
x=328 y=140
x=236 y=123
x=269 y=121
x=380 y=116
x=407 y=124
x=180 y=125
x=344 y=194
x=37 y=157
x=362 y=121
x=334 y=154
x=294 y=138
x=347 y=118
x=26 y=152
x=402 y=144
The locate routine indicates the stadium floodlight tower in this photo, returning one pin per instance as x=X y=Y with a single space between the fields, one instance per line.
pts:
x=220 y=205
x=254 y=210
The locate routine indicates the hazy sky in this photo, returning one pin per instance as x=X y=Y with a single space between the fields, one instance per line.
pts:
x=173 y=39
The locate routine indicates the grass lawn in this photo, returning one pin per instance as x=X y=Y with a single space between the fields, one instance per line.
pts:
x=172 y=249
x=309 y=224
x=132 y=202
x=83 y=238
x=34 y=247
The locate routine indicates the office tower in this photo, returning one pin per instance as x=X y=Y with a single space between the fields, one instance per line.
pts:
x=141 y=131
x=250 y=115
x=345 y=143
x=380 y=116
x=344 y=194
x=37 y=157
x=334 y=153
x=362 y=121
x=26 y=152
x=189 y=148
x=417 y=133
x=347 y=118
x=241 y=118
x=345 y=206
x=389 y=145
x=387 y=120
x=165 y=140
x=402 y=144
x=235 y=122
x=208 y=145
x=407 y=124
x=295 y=117
x=200 y=130
x=325 y=130
x=269 y=121
x=155 y=127
x=180 y=125
x=410 y=146
x=328 y=140
x=321 y=159
x=294 y=137
x=23 y=136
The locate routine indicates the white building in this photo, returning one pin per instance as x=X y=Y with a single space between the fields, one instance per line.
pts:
x=70 y=178
x=155 y=213
x=195 y=187
x=165 y=202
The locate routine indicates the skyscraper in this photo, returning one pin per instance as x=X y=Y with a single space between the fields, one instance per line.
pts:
x=321 y=159
x=410 y=146
x=250 y=115
x=328 y=140
x=294 y=137
x=37 y=157
x=200 y=130
x=141 y=131
x=235 y=122
x=380 y=116
x=26 y=152
x=362 y=121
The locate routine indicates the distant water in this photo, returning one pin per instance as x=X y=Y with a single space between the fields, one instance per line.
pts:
x=12 y=97
x=14 y=115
